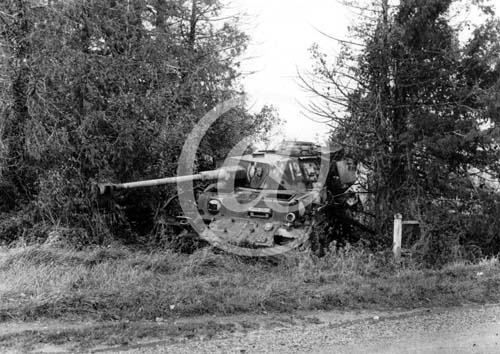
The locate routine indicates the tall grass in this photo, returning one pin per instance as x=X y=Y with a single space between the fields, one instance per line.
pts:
x=102 y=283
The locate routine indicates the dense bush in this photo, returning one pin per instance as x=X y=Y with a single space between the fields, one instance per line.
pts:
x=107 y=91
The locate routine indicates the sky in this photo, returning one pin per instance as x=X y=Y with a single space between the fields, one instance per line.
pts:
x=281 y=34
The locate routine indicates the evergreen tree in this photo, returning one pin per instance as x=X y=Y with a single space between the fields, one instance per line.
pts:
x=416 y=106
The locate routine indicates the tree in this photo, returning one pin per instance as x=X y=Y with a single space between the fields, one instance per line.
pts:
x=108 y=90
x=411 y=101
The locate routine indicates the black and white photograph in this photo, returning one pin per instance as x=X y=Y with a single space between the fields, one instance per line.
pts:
x=250 y=176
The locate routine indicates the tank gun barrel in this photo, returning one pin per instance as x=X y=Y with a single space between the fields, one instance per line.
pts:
x=202 y=176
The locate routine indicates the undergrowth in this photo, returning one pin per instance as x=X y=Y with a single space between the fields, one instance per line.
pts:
x=107 y=283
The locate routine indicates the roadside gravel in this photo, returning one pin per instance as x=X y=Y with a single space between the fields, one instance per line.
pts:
x=468 y=330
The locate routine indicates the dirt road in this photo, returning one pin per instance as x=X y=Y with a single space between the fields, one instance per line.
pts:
x=467 y=330
x=458 y=330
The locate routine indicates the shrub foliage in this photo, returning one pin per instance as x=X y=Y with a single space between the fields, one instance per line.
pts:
x=107 y=91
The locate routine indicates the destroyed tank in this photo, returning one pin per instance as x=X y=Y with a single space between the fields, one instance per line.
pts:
x=260 y=200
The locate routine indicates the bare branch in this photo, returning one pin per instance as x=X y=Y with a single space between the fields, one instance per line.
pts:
x=343 y=41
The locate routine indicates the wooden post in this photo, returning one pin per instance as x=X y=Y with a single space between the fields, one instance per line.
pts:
x=398 y=230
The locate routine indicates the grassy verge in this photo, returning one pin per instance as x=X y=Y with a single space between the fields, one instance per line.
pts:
x=109 y=284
